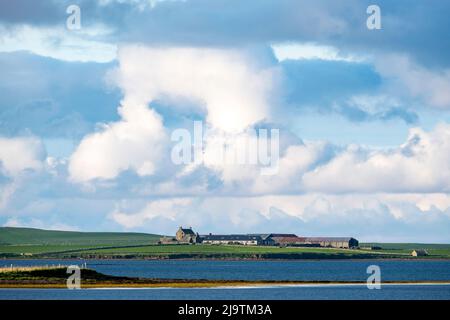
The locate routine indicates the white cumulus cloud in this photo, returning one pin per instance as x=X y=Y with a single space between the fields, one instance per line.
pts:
x=430 y=85
x=59 y=43
x=368 y=217
x=310 y=51
x=422 y=164
x=222 y=82
x=19 y=154
x=136 y=142
x=225 y=83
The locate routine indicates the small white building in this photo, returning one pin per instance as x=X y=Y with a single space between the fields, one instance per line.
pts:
x=231 y=239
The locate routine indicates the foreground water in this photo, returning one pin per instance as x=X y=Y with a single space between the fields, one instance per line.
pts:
x=325 y=270
x=391 y=292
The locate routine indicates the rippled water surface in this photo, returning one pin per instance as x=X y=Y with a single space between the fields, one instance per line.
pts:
x=329 y=270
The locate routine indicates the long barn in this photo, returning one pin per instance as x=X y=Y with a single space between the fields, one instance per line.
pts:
x=335 y=242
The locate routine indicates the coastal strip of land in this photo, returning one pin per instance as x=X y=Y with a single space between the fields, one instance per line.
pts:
x=56 y=277
x=26 y=243
x=209 y=252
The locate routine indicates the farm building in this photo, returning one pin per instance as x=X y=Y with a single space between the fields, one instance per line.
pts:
x=231 y=239
x=167 y=240
x=186 y=235
x=334 y=242
x=287 y=239
x=293 y=242
x=279 y=235
x=272 y=239
x=419 y=253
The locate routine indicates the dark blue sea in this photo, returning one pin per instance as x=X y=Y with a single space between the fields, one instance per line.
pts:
x=327 y=270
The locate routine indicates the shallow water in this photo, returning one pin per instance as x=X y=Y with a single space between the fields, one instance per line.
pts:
x=360 y=292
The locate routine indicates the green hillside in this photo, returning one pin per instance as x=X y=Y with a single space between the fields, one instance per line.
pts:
x=36 y=243
x=29 y=236
x=433 y=249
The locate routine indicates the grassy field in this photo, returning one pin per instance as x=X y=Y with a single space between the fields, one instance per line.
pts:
x=434 y=249
x=29 y=236
x=223 y=252
x=170 y=251
x=204 y=250
x=199 y=248
x=39 y=248
x=19 y=242
x=183 y=251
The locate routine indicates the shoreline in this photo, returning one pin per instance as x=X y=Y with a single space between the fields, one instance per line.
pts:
x=230 y=259
x=56 y=277
x=218 y=285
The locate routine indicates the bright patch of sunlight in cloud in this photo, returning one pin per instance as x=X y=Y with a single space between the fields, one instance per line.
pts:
x=310 y=51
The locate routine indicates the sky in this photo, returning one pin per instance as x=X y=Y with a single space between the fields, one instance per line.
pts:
x=88 y=116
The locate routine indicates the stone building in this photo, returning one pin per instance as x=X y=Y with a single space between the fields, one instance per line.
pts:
x=289 y=239
x=187 y=235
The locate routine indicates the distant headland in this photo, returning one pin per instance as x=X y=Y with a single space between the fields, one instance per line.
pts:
x=28 y=243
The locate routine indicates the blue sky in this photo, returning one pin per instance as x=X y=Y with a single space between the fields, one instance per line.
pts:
x=86 y=116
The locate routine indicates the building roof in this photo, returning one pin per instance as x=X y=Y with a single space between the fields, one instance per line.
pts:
x=421 y=252
x=282 y=235
x=230 y=237
x=328 y=239
x=187 y=230
x=288 y=239
x=263 y=236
